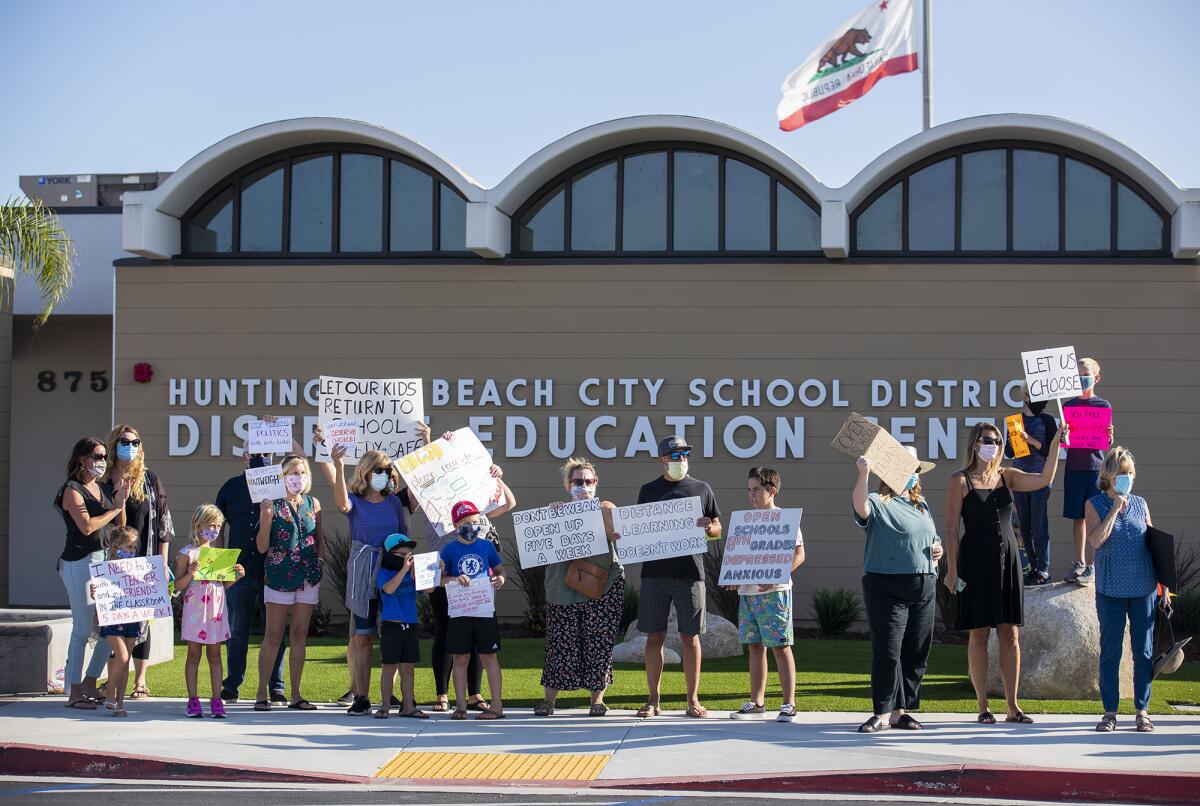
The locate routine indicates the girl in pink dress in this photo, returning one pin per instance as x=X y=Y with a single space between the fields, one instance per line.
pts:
x=204 y=624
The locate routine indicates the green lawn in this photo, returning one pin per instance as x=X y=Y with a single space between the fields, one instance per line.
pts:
x=832 y=676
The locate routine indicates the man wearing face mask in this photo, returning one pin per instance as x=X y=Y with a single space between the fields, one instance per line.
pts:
x=1038 y=429
x=678 y=580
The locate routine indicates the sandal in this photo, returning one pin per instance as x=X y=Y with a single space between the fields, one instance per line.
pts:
x=696 y=712
x=648 y=710
x=544 y=708
x=302 y=705
x=986 y=718
x=1144 y=725
x=874 y=725
x=489 y=715
x=1019 y=717
x=140 y=693
x=441 y=706
x=82 y=704
x=479 y=705
x=907 y=722
x=262 y=705
x=459 y=714
x=382 y=712
x=415 y=713
x=1108 y=723
x=598 y=709
x=120 y=712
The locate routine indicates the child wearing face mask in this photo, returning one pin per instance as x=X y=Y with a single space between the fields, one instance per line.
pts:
x=1038 y=429
x=204 y=625
x=122 y=545
x=1082 y=476
x=399 y=628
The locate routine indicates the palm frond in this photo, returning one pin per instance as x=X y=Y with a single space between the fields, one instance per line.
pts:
x=34 y=244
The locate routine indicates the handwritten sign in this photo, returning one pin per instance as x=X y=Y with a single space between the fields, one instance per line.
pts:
x=555 y=534
x=445 y=472
x=269 y=437
x=265 y=483
x=659 y=530
x=346 y=433
x=1089 y=426
x=127 y=591
x=1016 y=424
x=427 y=570
x=1051 y=374
x=889 y=460
x=216 y=565
x=387 y=410
x=760 y=547
x=478 y=599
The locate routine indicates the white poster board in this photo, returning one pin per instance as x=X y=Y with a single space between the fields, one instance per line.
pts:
x=269 y=437
x=265 y=483
x=476 y=599
x=659 y=530
x=556 y=534
x=130 y=590
x=445 y=472
x=1051 y=374
x=387 y=409
x=347 y=433
x=760 y=546
x=427 y=570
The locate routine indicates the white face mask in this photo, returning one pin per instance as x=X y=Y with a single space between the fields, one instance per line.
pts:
x=582 y=493
x=677 y=470
x=294 y=482
x=988 y=452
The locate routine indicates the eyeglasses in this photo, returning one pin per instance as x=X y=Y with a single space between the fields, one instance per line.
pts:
x=129 y=442
x=98 y=457
x=989 y=441
x=677 y=455
x=583 y=482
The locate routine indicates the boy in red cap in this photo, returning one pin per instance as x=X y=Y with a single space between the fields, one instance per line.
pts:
x=468 y=557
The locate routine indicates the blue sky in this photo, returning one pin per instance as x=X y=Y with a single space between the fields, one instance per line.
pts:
x=135 y=86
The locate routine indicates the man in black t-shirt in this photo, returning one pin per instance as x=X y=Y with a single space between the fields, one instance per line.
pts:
x=678 y=580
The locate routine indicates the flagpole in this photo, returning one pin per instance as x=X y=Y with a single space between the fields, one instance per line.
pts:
x=927 y=65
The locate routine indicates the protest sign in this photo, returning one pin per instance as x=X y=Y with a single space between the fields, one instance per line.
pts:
x=130 y=590
x=445 y=472
x=1051 y=374
x=564 y=532
x=265 y=483
x=659 y=530
x=427 y=570
x=760 y=547
x=476 y=599
x=1016 y=424
x=263 y=436
x=387 y=411
x=216 y=565
x=1089 y=426
x=339 y=432
x=889 y=460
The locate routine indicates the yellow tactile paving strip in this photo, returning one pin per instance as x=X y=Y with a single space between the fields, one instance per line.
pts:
x=496 y=766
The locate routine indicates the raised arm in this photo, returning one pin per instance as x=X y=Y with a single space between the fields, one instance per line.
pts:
x=1021 y=482
x=859 y=494
x=73 y=505
x=1100 y=530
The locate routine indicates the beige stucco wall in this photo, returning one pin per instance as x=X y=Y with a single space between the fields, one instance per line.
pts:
x=846 y=322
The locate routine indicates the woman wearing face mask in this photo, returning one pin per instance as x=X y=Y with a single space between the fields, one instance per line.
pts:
x=987 y=561
x=289 y=533
x=1126 y=585
x=1038 y=430
x=90 y=508
x=146 y=510
x=581 y=629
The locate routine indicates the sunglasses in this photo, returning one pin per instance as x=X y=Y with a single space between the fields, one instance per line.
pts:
x=98 y=457
x=127 y=442
x=677 y=455
x=583 y=482
x=989 y=441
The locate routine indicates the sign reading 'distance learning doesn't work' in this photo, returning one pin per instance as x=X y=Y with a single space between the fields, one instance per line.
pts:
x=659 y=530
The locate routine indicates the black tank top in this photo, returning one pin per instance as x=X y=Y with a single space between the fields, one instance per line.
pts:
x=80 y=545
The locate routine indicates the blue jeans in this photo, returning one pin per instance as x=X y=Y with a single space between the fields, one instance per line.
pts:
x=1035 y=527
x=75 y=576
x=1113 y=611
x=242 y=600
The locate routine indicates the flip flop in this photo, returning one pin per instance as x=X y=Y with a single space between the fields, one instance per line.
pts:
x=696 y=712
x=415 y=713
x=82 y=704
x=1019 y=717
x=479 y=705
x=440 y=707
x=302 y=705
x=382 y=713
x=459 y=715
x=598 y=709
x=262 y=705
x=648 y=710
x=986 y=718
x=120 y=712
x=140 y=693
x=489 y=715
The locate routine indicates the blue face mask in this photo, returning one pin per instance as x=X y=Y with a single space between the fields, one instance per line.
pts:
x=1123 y=484
x=1086 y=382
x=469 y=531
x=379 y=482
x=912 y=482
x=127 y=453
x=122 y=554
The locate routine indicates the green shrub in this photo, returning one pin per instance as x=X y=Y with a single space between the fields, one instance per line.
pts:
x=320 y=625
x=425 y=615
x=337 y=555
x=1186 y=620
x=1187 y=566
x=834 y=610
x=532 y=583
x=629 y=610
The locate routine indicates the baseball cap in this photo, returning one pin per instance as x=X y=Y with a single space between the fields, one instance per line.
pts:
x=398 y=540
x=671 y=444
x=463 y=509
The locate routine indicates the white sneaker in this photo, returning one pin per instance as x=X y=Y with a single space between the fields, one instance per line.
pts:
x=1087 y=577
x=749 y=710
x=787 y=712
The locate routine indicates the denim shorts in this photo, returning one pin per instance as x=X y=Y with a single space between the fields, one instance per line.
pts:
x=1078 y=487
x=370 y=624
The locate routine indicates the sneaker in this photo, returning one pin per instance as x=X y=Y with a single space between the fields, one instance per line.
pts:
x=1041 y=578
x=193 y=708
x=279 y=697
x=218 y=708
x=359 y=707
x=346 y=699
x=749 y=710
x=1087 y=577
x=229 y=696
x=787 y=712
x=1076 y=570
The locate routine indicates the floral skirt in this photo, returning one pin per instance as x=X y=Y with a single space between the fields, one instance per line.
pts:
x=580 y=639
x=204 y=619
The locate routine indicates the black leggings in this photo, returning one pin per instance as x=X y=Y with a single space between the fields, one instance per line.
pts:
x=443 y=664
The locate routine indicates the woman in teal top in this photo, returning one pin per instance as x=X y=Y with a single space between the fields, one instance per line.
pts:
x=899 y=583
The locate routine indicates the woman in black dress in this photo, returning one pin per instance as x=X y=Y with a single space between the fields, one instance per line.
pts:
x=985 y=568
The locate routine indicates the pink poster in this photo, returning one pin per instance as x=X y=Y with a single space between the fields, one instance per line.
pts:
x=1089 y=426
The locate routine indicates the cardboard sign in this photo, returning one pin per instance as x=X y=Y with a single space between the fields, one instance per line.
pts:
x=387 y=410
x=1016 y=424
x=556 y=534
x=216 y=565
x=477 y=599
x=659 y=530
x=760 y=547
x=269 y=437
x=265 y=483
x=130 y=590
x=889 y=460
x=427 y=570
x=1089 y=426
x=1051 y=374
x=445 y=472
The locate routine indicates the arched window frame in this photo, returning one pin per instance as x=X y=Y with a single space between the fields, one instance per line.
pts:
x=1009 y=146
x=563 y=181
x=336 y=150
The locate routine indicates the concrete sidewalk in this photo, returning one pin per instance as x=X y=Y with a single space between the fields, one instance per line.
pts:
x=822 y=751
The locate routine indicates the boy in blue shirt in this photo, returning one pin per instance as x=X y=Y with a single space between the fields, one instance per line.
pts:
x=399 y=630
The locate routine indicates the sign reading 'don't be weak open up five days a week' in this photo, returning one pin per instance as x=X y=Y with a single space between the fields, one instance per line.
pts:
x=567 y=531
x=889 y=460
x=659 y=530
x=388 y=411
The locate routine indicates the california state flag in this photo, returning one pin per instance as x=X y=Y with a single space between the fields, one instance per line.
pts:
x=881 y=41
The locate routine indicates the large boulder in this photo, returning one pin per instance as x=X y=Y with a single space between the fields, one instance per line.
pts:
x=720 y=639
x=634 y=651
x=1060 y=646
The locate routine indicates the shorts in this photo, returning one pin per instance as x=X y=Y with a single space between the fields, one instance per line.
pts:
x=654 y=605
x=370 y=624
x=310 y=594
x=1078 y=487
x=465 y=634
x=766 y=618
x=399 y=642
x=130 y=630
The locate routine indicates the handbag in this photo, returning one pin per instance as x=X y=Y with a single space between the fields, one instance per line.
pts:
x=584 y=577
x=1171 y=658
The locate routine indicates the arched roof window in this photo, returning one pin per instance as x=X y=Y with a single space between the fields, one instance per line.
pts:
x=668 y=199
x=328 y=199
x=1010 y=199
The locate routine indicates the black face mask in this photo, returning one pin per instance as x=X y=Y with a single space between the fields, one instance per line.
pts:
x=1037 y=406
x=392 y=562
x=260 y=460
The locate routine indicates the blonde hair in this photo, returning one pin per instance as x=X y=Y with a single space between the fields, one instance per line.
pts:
x=293 y=461
x=577 y=463
x=368 y=463
x=119 y=537
x=913 y=493
x=1118 y=460
x=1091 y=365
x=136 y=471
x=203 y=516
x=971 y=457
